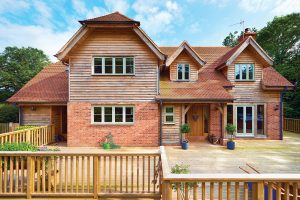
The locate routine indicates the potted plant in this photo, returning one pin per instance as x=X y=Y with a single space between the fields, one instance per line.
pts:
x=184 y=129
x=230 y=128
x=106 y=144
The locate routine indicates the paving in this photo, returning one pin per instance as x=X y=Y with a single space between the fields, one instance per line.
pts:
x=268 y=156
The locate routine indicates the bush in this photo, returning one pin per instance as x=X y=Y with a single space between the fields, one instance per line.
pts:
x=24 y=127
x=8 y=113
x=185 y=128
x=180 y=169
x=18 y=147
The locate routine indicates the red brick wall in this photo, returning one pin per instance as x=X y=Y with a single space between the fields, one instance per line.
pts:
x=144 y=132
x=273 y=121
x=214 y=120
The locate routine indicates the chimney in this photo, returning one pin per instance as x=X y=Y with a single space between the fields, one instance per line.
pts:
x=246 y=34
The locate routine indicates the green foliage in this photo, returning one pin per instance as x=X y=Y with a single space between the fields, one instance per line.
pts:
x=232 y=39
x=8 y=113
x=230 y=128
x=181 y=169
x=108 y=139
x=17 y=147
x=185 y=128
x=17 y=67
x=280 y=38
x=24 y=127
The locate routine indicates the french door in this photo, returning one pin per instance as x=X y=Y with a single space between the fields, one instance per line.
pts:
x=245 y=121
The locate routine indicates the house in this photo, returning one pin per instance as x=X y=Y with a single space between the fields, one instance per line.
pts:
x=112 y=78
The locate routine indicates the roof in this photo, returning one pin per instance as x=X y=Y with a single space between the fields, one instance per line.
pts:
x=49 y=86
x=271 y=79
x=112 y=18
x=185 y=46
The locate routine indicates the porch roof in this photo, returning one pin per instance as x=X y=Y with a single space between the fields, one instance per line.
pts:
x=210 y=91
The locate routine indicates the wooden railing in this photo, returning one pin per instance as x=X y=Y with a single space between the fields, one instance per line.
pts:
x=292 y=125
x=8 y=127
x=38 y=136
x=57 y=174
x=227 y=186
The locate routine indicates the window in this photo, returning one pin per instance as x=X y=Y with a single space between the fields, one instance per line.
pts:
x=169 y=115
x=183 y=72
x=113 y=114
x=260 y=119
x=113 y=65
x=244 y=72
x=229 y=114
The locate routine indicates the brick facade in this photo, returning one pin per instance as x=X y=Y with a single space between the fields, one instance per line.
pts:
x=273 y=120
x=144 y=131
x=214 y=120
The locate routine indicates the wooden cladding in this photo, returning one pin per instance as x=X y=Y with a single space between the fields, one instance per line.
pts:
x=292 y=125
x=80 y=175
x=37 y=136
x=112 y=43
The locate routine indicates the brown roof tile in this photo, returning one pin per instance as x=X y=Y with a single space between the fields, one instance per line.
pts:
x=48 y=86
x=115 y=17
x=271 y=78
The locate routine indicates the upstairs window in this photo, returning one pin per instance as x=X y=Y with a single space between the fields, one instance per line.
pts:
x=244 y=72
x=183 y=72
x=113 y=65
x=169 y=115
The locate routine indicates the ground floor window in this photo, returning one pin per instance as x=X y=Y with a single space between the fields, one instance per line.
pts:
x=260 y=119
x=113 y=114
x=169 y=114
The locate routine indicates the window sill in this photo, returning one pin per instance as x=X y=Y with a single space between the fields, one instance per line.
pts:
x=113 y=74
x=244 y=80
x=182 y=81
x=113 y=124
x=169 y=123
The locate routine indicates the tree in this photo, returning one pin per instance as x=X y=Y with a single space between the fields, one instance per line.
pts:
x=233 y=38
x=17 y=67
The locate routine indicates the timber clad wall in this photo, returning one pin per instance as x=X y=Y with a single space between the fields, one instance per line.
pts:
x=112 y=42
x=184 y=58
x=173 y=128
x=41 y=115
x=144 y=131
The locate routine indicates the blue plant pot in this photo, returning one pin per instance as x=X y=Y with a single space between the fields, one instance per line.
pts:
x=231 y=145
x=185 y=145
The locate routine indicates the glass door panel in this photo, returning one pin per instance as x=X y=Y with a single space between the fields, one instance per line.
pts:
x=240 y=120
x=249 y=120
x=244 y=120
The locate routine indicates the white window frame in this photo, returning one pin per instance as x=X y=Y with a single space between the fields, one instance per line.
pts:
x=113 y=114
x=183 y=72
x=169 y=114
x=113 y=65
x=247 y=72
x=244 y=134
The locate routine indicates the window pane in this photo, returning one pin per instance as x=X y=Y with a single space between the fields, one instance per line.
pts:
x=129 y=114
x=118 y=114
x=108 y=65
x=129 y=65
x=260 y=119
x=229 y=114
x=187 y=72
x=97 y=118
x=179 y=71
x=244 y=72
x=170 y=118
x=97 y=114
x=97 y=110
x=240 y=119
x=237 y=72
x=98 y=65
x=119 y=65
x=108 y=114
x=97 y=61
x=169 y=109
x=251 y=71
x=249 y=117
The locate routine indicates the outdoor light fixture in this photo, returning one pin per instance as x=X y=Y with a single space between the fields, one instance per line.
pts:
x=276 y=107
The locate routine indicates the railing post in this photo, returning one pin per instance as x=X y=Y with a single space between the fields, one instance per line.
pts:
x=95 y=176
x=166 y=192
x=10 y=127
x=258 y=190
x=29 y=177
x=27 y=132
x=52 y=132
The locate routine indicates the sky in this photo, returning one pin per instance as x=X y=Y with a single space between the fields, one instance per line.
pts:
x=49 y=24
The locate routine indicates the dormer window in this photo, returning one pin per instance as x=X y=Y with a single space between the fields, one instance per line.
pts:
x=244 y=72
x=113 y=66
x=183 y=72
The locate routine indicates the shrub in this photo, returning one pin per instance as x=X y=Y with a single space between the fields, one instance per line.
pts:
x=17 y=147
x=24 y=127
x=109 y=139
x=230 y=128
x=185 y=128
x=8 y=113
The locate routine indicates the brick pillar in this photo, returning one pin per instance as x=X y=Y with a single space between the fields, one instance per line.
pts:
x=214 y=120
x=273 y=120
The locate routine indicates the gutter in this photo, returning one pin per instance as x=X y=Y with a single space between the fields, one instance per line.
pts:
x=281 y=113
x=160 y=123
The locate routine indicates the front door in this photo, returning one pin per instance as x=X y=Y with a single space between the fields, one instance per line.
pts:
x=244 y=121
x=195 y=120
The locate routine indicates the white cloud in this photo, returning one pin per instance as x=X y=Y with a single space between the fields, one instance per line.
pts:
x=79 y=6
x=219 y=3
x=276 y=7
x=13 y=6
x=81 y=9
x=44 y=13
x=117 y=5
x=194 y=28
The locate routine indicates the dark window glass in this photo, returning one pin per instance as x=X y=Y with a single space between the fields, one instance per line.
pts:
x=244 y=72
x=250 y=71
x=169 y=109
x=169 y=118
x=240 y=119
x=107 y=114
x=97 y=114
x=179 y=72
x=129 y=114
x=229 y=114
x=249 y=117
x=129 y=65
x=108 y=66
x=187 y=72
x=260 y=119
x=98 y=65
x=119 y=65
x=237 y=72
x=118 y=114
